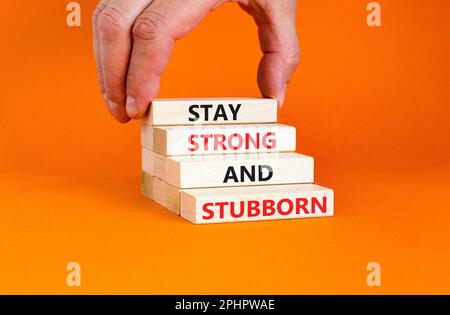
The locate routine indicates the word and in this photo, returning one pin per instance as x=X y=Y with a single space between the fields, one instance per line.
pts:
x=202 y=112
x=264 y=208
x=250 y=174
x=233 y=142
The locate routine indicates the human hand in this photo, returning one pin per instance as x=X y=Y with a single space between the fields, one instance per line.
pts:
x=133 y=41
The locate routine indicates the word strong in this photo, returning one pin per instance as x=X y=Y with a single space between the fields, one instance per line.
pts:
x=235 y=141
x=255 y=138
x=202 y=112
x=250 y=174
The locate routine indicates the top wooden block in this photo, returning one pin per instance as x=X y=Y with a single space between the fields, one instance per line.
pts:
x=211 y=111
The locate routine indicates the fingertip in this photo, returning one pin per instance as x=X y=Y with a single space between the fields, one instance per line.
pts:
x=118 y=112
x=140 y=114
x=123 y=119
x=135 y=110
x=272 y=78
x=282 y=96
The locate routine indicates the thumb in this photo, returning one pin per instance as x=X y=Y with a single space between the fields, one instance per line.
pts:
x=278 y=39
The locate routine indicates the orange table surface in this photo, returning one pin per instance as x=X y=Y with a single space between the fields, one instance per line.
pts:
x=125 y=243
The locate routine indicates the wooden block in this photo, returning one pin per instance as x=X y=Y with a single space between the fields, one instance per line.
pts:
x=221 y=139
x=230 y=204
x=156 y=189
x=172 y=198
x=153 y=163
x=161 y=192
x=147 y=138
x=147 y=185
x=237 y=170
x=249 y=203
x=211 y=111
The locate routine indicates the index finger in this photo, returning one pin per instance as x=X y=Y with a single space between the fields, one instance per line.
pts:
x=114 y=35
x=154 y=34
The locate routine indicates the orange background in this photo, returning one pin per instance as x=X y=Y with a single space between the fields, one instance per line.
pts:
x=370 y=104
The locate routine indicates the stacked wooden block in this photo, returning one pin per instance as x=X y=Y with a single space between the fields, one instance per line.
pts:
x=225 y=160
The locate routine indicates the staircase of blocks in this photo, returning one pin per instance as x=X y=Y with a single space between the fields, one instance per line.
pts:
x=227 y=160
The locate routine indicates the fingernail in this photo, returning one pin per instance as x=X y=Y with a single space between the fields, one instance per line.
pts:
x=282 y=96
x=105 y=98
x=131 y=107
